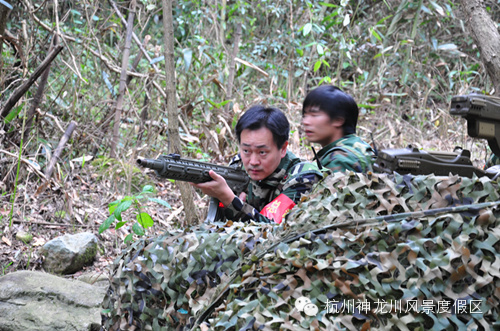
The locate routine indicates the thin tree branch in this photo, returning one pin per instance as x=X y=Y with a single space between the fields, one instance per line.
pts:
x=123 y=80
x=21 y=90
x=59 y=149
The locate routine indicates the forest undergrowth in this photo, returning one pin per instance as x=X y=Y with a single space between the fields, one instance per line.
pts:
x=79 y=201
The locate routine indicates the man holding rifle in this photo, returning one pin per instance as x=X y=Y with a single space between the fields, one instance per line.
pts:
x=277 y=177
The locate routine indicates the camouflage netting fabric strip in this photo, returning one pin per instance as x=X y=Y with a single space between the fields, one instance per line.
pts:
x=369 y=252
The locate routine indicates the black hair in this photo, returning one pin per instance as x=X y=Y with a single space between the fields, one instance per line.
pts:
x=272 y=118
x=336 y=103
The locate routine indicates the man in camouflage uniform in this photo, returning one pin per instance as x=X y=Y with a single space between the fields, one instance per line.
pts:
x=329 y=116
x=277 y=177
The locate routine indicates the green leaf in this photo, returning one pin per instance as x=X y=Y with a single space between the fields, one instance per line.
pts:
x=113 y=205
x=320 y=49
x=128 y=238
x=107 y=223
x=137 y=229
x=317 y=65
x=307 y=29
x=145 y=220
x=161 y=202
x=188 y=56
x=124 y=205
x=374 y=33
x=328 y=4
x=120 y=224
x=13 y=114
x=148 y=189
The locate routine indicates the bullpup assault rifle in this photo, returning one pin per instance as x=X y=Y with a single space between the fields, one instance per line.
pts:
x=483 y=121
x=172 y=166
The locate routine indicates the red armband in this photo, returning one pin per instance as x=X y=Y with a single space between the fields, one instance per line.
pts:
x=278 y=208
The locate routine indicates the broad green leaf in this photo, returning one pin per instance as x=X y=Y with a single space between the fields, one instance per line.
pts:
x=120 y=224
x=145 y=220
x=320 y=49
x=13 y=114
x=188 y=55
x=317 y=65
x=128 y=238
x=161 y=202
x=113 y=205
x=148 y=189
x=123 y=206
x=137 y=229
x=107 y=223
x=307 y=29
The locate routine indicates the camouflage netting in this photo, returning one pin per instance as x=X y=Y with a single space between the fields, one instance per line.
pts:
x=369 y=252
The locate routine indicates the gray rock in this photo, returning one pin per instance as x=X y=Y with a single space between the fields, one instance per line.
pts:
x=69 y=253
x=31 y=300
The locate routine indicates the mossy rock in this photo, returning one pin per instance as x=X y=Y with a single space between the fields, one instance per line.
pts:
x=369 y=252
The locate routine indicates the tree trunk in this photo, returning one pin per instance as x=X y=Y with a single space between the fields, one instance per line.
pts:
x=123 y=81
x=232 y=71
x=486 y=36
x=5 y=9
x=174 y=145
x=37 y=99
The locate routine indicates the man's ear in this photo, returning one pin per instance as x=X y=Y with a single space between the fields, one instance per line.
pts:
x=283 y=149
x=338 y=122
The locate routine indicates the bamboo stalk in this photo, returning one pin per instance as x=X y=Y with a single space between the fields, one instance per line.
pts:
x=123 y=81
x=59 y=149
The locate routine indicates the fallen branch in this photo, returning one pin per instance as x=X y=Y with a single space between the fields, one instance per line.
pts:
x=21 y=90
x=60 y=147
x=51 y=224
x=25 y=161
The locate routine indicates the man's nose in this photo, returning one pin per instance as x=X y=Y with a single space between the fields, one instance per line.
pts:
x=305 y=121
x=254 y=159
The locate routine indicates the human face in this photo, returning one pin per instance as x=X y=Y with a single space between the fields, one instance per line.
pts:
x=259 y=152
x=319 y=128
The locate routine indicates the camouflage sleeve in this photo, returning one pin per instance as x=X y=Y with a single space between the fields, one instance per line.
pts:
x=492 y=161
x=300 y=180
x=245 y=212
x=341 y=161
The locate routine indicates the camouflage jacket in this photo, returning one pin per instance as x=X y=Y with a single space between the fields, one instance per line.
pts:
x=292 y=178
x=347 y=153
x=492 y=161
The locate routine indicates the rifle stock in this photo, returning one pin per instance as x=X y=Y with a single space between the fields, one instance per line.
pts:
x=172 y=166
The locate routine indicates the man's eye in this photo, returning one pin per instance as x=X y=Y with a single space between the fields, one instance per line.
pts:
x=245 y=151
x=263 y=152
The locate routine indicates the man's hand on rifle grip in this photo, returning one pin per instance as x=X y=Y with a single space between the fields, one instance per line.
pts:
x=217 y=188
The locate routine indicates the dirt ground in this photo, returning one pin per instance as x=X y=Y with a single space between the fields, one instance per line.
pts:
x=76 y=204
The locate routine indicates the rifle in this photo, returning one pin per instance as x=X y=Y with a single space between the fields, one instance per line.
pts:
x=172 y=166
x=412 y=160
x=483 y=121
